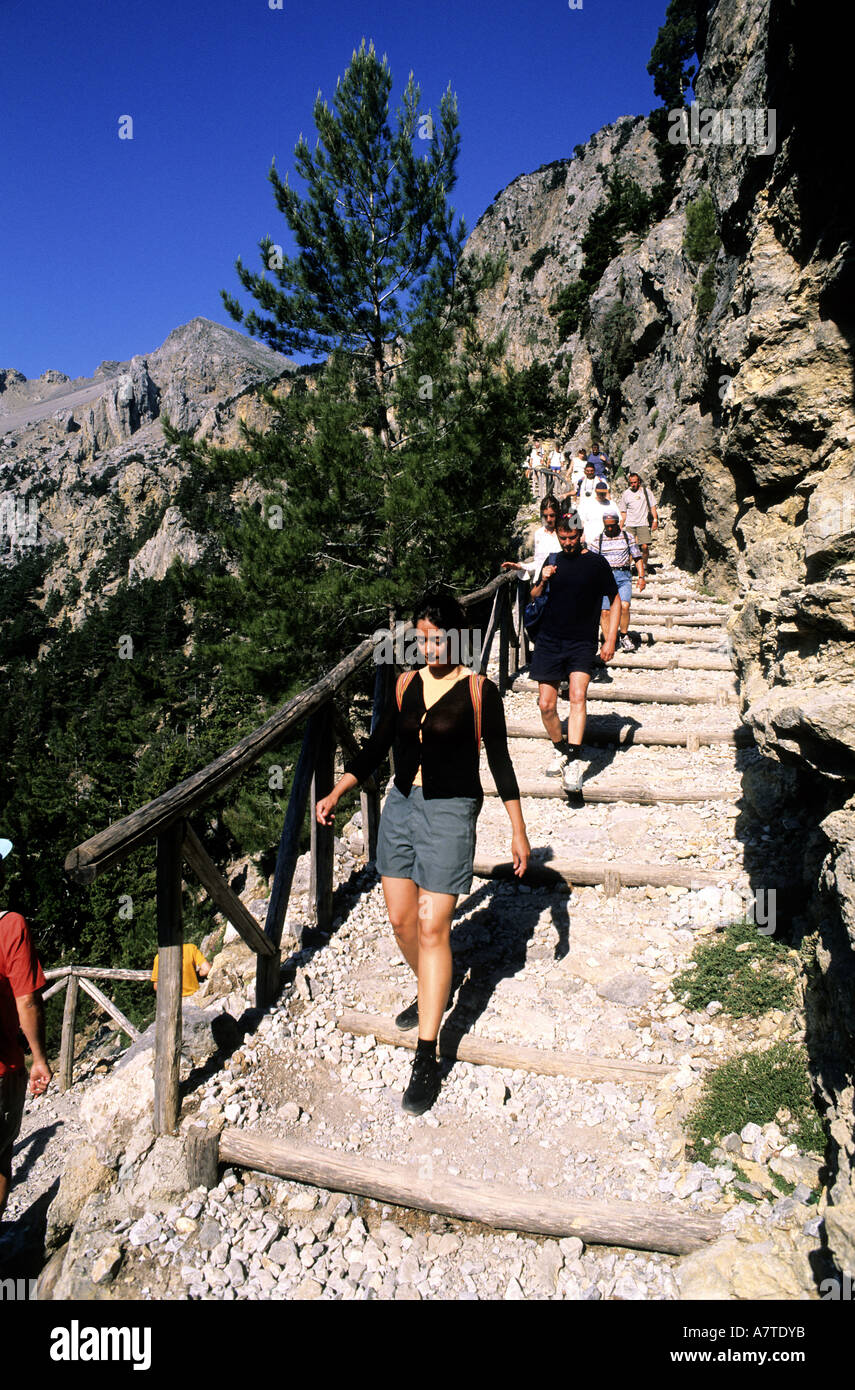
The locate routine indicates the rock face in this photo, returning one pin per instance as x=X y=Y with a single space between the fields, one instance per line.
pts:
x=84 y=464
x=739 y=412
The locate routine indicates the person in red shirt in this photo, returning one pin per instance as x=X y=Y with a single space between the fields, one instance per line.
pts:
x=21 y=1011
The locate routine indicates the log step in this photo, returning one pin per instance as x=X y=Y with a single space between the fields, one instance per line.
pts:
x=650 y=634
x=587 y=873
x=606 y=1223
x=680 y=661
x=639 y=694
x=593 y=793
x=684 y=661
x=682 y=615
x=453 y=1042
x=609 y=728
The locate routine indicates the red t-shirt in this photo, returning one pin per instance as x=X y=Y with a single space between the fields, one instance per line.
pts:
x=20 y=973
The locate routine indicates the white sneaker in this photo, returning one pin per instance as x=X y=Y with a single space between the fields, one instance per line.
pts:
x=627 y=644
x=558 y=764
x=572 y=776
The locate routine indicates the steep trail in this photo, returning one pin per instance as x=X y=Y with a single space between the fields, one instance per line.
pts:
x=578 y=1067
x=583 y=974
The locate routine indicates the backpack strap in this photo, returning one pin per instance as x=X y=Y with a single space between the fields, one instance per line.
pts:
x=476 y=691
x=401 y=684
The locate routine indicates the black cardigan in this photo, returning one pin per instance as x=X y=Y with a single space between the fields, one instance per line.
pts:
x=448 y=753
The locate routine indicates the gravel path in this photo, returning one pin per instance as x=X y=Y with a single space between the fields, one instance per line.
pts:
x=572 y=972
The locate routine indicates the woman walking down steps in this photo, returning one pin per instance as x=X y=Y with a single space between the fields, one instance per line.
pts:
x=426 y=839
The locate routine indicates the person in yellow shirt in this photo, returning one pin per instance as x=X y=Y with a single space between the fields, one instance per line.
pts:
x=194 y=968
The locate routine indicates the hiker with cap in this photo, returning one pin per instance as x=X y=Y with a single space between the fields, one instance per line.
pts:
x=21 y=1011
x=567 y=641
x=592 y=516
x=620 y=549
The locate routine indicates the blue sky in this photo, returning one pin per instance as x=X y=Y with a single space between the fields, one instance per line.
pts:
x=108 y=244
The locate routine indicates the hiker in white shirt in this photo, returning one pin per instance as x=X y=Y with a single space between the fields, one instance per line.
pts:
x=638 y=513
x=545 y=543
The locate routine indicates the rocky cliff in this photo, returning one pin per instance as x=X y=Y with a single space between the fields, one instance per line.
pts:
x=84 y=463
x=731 y=392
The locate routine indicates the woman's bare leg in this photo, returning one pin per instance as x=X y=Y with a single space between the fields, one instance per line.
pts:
x=435 y=911
x=402 y=905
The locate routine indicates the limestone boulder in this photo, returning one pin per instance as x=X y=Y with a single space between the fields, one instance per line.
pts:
x=83 y=1174
x=839 y=827
x=118 y=1112
x=840 y=1229
x=808 y=726
x=92 y=1243
x=765 y=1270
x=162 y=1177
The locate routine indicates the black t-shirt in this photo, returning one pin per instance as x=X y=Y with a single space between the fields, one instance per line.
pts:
x=572 y=612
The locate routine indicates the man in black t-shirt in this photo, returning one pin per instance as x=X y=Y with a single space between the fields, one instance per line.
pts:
x=567 y=641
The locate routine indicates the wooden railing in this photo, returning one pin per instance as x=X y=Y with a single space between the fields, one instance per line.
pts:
x=73 y=978
x=165 y=820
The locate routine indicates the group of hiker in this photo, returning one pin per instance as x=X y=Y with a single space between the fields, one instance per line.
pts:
x=439 y=714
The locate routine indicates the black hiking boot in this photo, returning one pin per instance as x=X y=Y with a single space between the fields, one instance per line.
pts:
x=424 y=1085
x=409 y=1017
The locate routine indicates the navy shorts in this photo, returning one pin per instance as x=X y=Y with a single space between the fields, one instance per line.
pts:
x=432 y=842
x=554 y=659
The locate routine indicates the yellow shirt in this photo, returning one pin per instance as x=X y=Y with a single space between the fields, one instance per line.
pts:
x=433 y=689
x=191 y=957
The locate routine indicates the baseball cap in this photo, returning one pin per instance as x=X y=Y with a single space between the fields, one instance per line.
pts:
x=5 y=847
x=601 y=487
x=611 y=510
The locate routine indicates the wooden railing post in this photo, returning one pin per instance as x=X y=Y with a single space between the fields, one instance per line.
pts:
x=323 y=836
x=69 y=1018
x=170 y=947
x=504 y=637
x=267 y=967
x=370 y=800
x=489 y=634
x=514 y=621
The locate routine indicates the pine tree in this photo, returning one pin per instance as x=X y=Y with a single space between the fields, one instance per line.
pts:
x=394 y=462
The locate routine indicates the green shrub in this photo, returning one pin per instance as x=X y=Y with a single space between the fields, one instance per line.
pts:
x=700 y=239
x=571 y=307
x=751 y=1089
x=746 y=983
x=663 y=430
x=616 y=354
x=705 y=292
x=529 y=271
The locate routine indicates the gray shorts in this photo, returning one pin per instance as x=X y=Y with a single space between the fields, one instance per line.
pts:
x=432 y=842
x=13 y=1090
x=642 y=535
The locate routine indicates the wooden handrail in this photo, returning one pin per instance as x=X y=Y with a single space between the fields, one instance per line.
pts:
x=95 y=972
x=164 y=819
x=86 y=861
